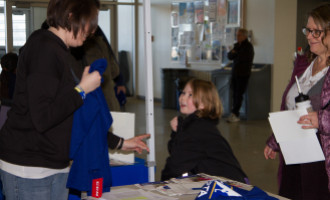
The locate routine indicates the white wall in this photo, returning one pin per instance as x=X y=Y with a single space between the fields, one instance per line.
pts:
x=284 y=47
x=160 y=25
x=259 y=17
x=161 y=45
x=39 y=16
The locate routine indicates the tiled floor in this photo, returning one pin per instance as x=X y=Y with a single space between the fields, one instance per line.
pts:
x=247 y=139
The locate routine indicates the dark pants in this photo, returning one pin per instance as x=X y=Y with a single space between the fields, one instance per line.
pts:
x=305 y=182
x=238 y=86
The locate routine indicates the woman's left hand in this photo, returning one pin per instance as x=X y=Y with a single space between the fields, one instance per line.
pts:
x=309 y=121
x=136 y=144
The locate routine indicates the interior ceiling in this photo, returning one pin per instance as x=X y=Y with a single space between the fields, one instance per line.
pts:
x=152 y=1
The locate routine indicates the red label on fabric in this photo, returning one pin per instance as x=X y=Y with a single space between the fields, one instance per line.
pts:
x=97 y=187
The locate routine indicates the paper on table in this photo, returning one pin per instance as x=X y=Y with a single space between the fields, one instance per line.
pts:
x=297 y=145
x=133 y=194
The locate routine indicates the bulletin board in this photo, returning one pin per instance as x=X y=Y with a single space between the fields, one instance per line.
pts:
x=203 y=30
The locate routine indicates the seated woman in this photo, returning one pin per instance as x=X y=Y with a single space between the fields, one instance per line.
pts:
x=196 y=145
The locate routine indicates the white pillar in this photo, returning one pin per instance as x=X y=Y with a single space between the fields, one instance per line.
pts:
x=149 y=91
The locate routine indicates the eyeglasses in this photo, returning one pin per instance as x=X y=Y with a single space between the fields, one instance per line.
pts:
x=315 y=33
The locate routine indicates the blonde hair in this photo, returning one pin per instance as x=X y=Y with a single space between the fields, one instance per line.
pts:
x=205 y=93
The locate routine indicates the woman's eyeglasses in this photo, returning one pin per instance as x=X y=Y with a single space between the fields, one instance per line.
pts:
x=315 y=33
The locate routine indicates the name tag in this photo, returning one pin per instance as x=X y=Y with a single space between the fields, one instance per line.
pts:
x=97 y=187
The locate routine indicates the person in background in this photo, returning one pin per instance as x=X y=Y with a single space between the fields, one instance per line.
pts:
x=8 y=77
x=242 y=55
x=196 y=145
x=310 y=180
x=96 y=46
x=35 y=139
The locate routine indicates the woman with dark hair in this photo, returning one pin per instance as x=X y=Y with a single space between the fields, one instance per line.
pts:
x=309 y=180
x=35 y=139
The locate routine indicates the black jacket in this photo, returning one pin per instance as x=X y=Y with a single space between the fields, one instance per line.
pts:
x=37 y=131
x=198 y=147
x=242 y=56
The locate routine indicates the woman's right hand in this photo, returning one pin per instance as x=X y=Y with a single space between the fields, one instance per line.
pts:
x=269 y=153
x=174 y=124
x=90 y=81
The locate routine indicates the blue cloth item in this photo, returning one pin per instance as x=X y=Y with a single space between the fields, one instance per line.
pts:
x=217 y=190
x=121 y=97
x=89 y=146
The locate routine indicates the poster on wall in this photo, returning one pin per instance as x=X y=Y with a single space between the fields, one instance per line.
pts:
x=202 y=30
x=186 y=12
x=175 y=15
x=199 y=12
x=222 y=13
x=175 y=35
x=212 y=10
x=233 y=13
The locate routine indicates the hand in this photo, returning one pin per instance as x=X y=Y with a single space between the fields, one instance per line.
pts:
x=174 y=124
x=269 y=153
x=90 y=81
x=136 y=144
x=121 y=88
x=310 y=121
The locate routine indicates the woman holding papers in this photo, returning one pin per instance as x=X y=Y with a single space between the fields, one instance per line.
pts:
x=310 y=180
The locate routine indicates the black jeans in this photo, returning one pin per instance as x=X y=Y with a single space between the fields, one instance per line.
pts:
x=238 y=86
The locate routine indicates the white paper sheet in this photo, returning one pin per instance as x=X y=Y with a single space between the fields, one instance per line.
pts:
x=285 y=126
x=124 y=126
x=133 y=194
x=297 y=145
x=303 y=150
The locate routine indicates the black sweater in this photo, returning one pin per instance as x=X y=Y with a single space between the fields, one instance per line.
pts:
x=198 y=147
x=37 y=131
x=242 y=57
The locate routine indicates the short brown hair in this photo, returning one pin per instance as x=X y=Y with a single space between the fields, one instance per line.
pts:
x=205 y=92
x=244 y=32
x=73 y=15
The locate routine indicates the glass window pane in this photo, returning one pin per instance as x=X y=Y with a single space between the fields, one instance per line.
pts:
x=2 y=29
x=19 y=29
x=126 y=41
x=126 y=1
x=104 y=23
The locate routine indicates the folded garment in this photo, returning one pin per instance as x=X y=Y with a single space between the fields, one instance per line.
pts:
x=217 y=190
x=89 y=146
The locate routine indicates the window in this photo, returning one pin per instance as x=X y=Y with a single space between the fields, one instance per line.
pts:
x=19 y=26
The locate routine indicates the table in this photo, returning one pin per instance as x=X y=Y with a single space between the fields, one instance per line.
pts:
x=148 y=191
